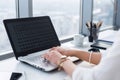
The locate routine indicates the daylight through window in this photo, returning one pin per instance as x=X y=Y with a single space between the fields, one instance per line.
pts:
x=7 y=10
x=103 y=11
x=64 y=14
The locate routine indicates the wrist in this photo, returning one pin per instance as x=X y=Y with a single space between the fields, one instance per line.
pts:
x=61 y=61
x=63 y=64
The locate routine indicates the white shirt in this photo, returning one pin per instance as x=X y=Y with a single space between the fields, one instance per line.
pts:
x=107 y=69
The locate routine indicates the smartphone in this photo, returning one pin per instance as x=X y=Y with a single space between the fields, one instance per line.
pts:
x=15 y=76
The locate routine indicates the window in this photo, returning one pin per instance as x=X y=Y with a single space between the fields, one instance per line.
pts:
x=64 y=14
x=7 y=10
x=103 y=11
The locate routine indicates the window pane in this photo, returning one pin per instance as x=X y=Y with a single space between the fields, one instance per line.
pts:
x=64 y=14
x=7 y=10
x=103 y=11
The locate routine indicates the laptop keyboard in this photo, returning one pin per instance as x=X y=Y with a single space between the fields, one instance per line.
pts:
x=39 y=62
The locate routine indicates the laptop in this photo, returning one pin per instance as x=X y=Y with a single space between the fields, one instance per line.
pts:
x=30 y=38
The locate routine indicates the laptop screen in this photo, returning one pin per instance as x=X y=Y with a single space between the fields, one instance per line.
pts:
x=28 y=35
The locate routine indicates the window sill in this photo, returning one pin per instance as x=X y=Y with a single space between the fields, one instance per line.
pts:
x=106 y=28
x=6 y=55
x=66 y=39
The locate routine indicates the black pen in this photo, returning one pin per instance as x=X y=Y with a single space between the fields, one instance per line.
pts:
x=91 y=37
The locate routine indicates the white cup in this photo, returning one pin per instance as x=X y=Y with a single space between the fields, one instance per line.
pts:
x=78 y=40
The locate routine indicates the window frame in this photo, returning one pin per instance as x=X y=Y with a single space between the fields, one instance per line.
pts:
x=24 y=8
x=85 y=16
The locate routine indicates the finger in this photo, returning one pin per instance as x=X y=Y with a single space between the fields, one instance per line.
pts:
x=46 y=55
x=53 y=52
x=54 y=48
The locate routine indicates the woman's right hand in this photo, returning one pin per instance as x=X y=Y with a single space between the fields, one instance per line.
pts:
x=63 y=51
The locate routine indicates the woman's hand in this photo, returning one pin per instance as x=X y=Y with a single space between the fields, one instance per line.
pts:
x=63 y=51
x=53 y=56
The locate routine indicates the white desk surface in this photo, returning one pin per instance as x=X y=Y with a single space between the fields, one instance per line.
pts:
x=32 y=73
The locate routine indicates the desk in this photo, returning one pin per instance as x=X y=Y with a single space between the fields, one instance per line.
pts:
x=32 y=73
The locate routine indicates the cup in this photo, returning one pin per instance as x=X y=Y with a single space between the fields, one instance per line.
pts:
x=95 y=34
x=78 y=40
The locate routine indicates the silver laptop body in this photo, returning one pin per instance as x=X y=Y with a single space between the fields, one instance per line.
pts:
x=30 y=38
x=37 y=60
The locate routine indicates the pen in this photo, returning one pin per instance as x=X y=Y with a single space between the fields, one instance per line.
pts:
x=99 y=24
x=91 y=37
x=88 y=24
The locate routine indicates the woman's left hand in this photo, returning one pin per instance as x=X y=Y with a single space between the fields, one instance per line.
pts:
x=53 y=56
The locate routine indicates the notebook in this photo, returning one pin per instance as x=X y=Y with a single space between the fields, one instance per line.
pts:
x=30 y=38
x=102 y=44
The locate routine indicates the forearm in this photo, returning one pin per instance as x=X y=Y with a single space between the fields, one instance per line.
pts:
x=69 y=67
x=95 y=57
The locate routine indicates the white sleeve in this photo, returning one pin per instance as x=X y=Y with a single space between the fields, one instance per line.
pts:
x=103 y=71
x=83 y=74
x=107 y=69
